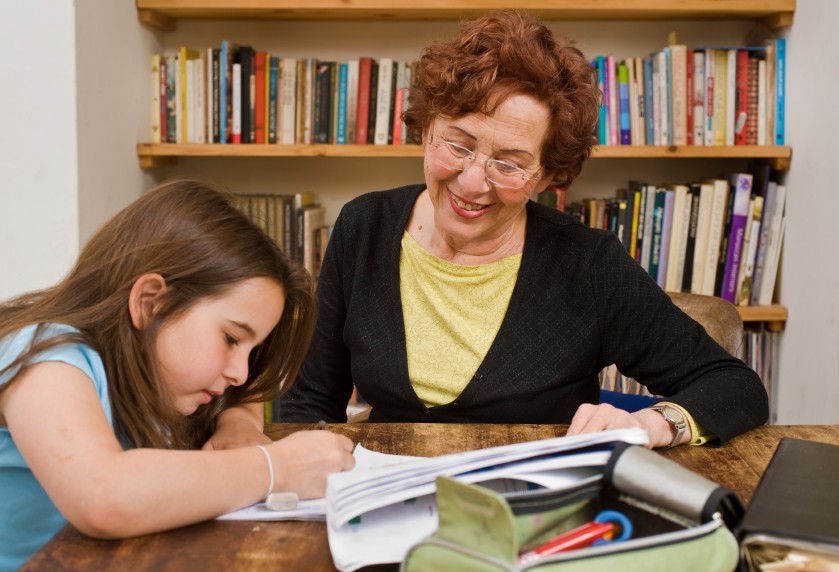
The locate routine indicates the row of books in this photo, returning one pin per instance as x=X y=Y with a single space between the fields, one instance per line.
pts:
x=718 y=237
x=295 y=222
x=235 y=94
x=760 y=350
x=704 y=96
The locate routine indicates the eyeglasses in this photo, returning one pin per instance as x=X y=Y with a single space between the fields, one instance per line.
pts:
x=500 y=173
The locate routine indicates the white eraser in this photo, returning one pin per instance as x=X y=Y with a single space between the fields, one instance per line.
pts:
x=282 y=501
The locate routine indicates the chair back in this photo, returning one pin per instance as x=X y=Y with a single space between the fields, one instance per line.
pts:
x=719 y=317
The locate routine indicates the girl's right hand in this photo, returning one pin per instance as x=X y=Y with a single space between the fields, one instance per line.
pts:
x=303 y=459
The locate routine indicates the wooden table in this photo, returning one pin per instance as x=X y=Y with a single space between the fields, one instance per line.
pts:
x=293 y=546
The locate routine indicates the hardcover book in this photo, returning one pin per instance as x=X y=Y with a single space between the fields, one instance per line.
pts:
x=795 y=508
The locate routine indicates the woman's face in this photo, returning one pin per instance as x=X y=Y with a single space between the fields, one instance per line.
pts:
x=468 y=207
x=205 y=350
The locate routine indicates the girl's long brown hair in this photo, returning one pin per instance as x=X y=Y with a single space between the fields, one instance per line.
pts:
x=189 y=232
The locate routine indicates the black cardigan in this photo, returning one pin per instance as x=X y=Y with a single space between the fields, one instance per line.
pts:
x=579 y=304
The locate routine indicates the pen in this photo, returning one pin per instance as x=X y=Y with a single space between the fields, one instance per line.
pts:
x=579 y=537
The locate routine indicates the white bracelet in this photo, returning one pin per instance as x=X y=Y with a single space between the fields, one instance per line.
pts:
x=270 y=469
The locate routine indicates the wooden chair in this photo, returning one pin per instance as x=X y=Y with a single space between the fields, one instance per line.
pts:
x=720 y=319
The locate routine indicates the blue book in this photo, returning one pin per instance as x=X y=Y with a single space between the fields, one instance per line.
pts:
x=273 y=79
x=657 y=229
x=649 y=95
x=623 y=96
x=666 y=227
x=780 y=81
x=603 y=122
x=667 y=107
x=341 y=137
x=222 y=91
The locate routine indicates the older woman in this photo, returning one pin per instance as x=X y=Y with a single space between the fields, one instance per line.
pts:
x=461 y=300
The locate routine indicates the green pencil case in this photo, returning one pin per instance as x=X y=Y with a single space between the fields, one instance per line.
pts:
x=679 y=519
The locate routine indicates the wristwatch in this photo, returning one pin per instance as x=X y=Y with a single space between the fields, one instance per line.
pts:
x=674 y=416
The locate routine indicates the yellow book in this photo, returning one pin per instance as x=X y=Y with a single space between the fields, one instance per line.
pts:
x=720 y=76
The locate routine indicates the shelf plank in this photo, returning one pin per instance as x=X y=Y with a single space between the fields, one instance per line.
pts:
x=144 y=150
x=773 y=12
x=774 y=313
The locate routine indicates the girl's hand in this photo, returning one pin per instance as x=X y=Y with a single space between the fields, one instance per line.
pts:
x=303 y=459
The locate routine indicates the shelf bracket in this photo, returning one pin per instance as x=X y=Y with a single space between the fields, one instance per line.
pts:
x=156 y=20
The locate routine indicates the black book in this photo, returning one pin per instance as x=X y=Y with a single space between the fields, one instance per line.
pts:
x=245 y=59
x=323 y=101
x=795 y=505
x=690 y=247
x=374 y=93
x=393 y=81
x=726 y=230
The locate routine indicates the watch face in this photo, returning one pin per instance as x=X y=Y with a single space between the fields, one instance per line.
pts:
x=673 y=414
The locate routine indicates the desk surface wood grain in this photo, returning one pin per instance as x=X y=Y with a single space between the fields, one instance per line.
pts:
x=257 y=546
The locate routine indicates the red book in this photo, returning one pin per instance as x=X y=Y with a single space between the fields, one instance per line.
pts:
x=362 y=115
x=259 y=97
x=398 y=104
x=741 y=110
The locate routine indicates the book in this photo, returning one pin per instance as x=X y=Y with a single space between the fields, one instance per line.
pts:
x=715 y=236
x=744 y=287
x=710 y=95
x=741 y=188
x=666 y=233
x=613 y=102
x=678 y=237
x=795 y=507
x=649 y=102
x=372 y=107
x=383 y=102
x=763 y=240
x=352 y=101
x=313 y=218
x=236 y=109
x=155 y=98
x=690 y=242
x=678 y=93
x=773 y=247
x=730 y=95
x=244 y=56
x=273 y=98
x=341 y=118
x=698 y=97
x=641 y=87
x=288 y=106
x=323 y=102
x=259 y=116
x=741 y=113
x=703 y=232
x=363 y=105
x=625 y=124
x=780 y=90
x=752 y=100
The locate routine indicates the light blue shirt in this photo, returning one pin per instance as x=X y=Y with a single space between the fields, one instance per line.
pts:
x=28 y=518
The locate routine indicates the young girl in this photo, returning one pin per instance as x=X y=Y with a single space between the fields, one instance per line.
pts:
x=179 y=318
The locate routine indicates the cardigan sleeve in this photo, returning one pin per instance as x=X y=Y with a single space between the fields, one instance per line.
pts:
x=650 y=339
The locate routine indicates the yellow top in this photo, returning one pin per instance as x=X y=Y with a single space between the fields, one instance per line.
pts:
x=447 y=339
x=699 y=435
x=452 y=314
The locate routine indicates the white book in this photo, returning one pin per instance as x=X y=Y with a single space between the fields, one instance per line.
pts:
x=642 y=102
x=773 y=248
x=383 y=97
x=405 y=93
x=683 y=241
x=703 y=229
x=698 y=97
x=288 y=107
x=710 y=71
x=664 y=96
x=189 y=136
x=673 y=278
x=199 y=68
x=352 y=99
x=155 y=98
x=237 y=103
x=761 y=103
x=678 y=93
x=179 y=130
x=657 y=107
x=633 y=102
x=718 y=206
x=730 y=96
x=209 y=97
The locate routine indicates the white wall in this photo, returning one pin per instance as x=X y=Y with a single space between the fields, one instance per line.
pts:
x=808 y=391
x=39 y=218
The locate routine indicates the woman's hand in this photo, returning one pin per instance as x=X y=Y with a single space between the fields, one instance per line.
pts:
x=239 y=426
x=590 y=418
x=303 y=459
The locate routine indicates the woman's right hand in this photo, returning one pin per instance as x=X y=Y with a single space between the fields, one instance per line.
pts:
x=303 y=459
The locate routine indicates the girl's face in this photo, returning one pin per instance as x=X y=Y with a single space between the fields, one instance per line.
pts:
x=205 y=350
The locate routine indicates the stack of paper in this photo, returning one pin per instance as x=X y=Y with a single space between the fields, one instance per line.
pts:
x=374 y=515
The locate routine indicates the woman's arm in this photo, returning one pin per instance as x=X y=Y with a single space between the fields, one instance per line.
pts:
x=55 y=417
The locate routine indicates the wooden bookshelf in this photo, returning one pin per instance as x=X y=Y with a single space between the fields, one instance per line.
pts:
x=153 y=155
x=164 y=14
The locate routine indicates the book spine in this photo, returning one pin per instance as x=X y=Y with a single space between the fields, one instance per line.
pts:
x=742 y=190
x=394 y=84
x=678 y=93
x=690 y=91
x=656 y=232
x=698 y=97
x=623 y=94
x=164 y=100
x=323 y=92
x=642 y=102
x=364 y=66
x=731 y=95
x=603 y=86
x=715 y=231
x=259 y=59
x=710 y=96
x=649 y=102
x=611 y=79
x=690 y=243
x=273 y=97
x=763 y=241
x=237 y=103
x=341 y=120
x=352 y=101
x=155 y=98
x=741 y=97
x=780 y=89
x=666 y=234
x=288 y=117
